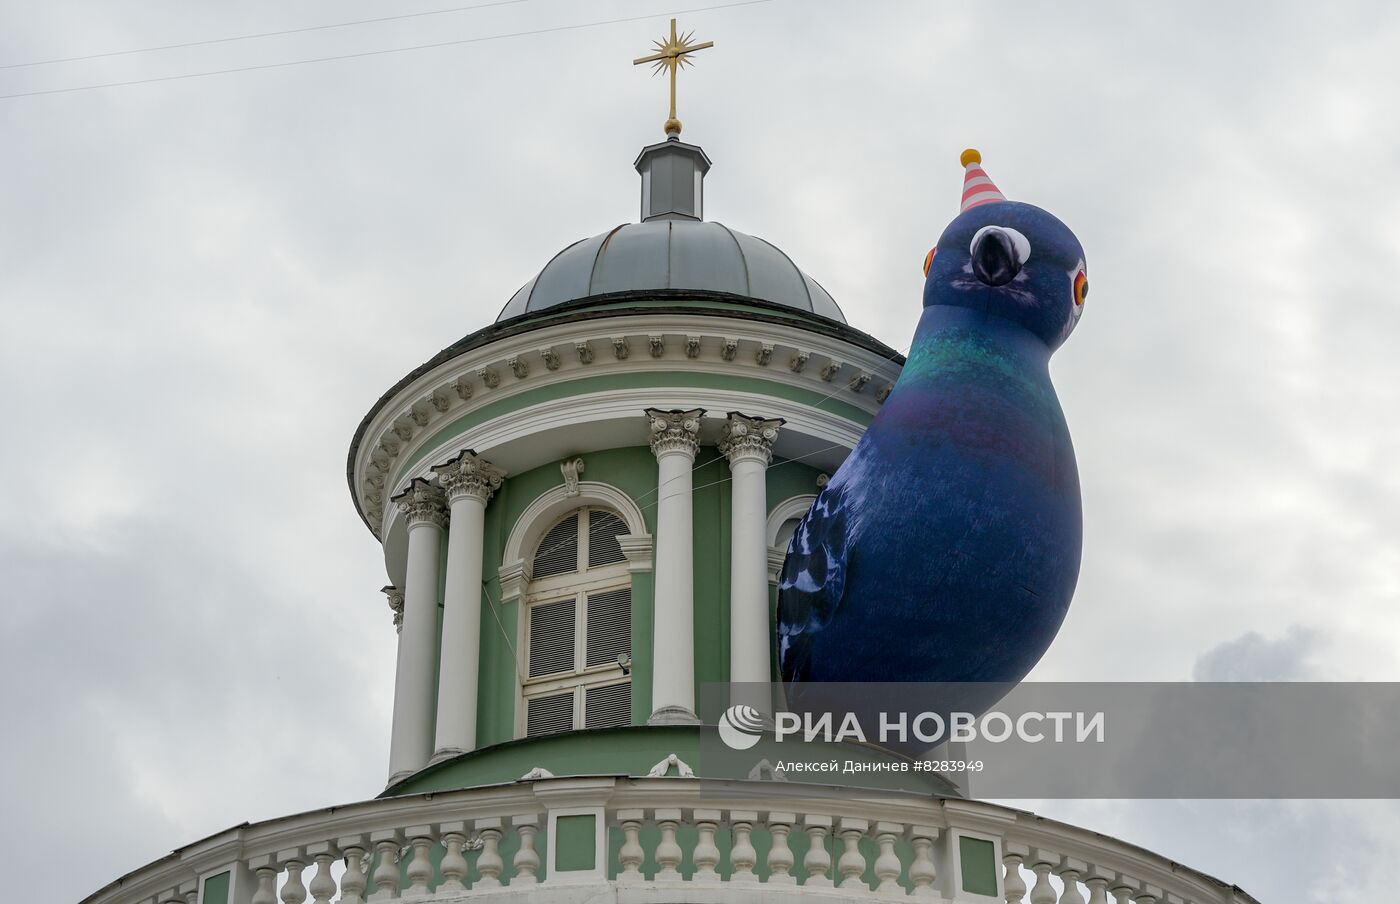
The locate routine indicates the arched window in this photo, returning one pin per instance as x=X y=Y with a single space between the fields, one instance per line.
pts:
x=578 y=626
x=785 y=532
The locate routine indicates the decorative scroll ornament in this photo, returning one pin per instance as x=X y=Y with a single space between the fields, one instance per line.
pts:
x=422 y=503
x=748 y=437
x=663 y=767
x=468 y=474
x=675 y=430
x=395 y=596
x=571 y=470
x=765 y=771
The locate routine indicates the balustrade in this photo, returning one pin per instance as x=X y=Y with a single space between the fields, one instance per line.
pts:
x=470 y=842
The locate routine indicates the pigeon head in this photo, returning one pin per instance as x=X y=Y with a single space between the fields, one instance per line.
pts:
x=1008 y=259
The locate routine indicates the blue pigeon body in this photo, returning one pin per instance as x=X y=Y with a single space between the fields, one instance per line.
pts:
x=946 y=547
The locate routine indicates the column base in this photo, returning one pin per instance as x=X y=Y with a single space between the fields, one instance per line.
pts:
x=445 y=754
x=399 y=776
x=673 y=715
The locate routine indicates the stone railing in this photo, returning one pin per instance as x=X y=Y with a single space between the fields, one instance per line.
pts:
x=654 y=840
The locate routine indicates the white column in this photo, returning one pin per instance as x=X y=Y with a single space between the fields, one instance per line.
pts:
x=412 y=741
x=469 y=483
x=674 y=441
x=748 y=444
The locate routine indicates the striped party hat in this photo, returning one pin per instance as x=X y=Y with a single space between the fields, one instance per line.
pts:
x=978 y=187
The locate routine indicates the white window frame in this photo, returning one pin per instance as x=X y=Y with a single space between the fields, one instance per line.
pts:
x=578 y=584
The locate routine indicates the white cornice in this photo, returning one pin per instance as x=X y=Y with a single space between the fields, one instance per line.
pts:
x=812 y=434
x=550 y=355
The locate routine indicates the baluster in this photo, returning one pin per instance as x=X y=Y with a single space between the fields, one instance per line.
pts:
x=706 y=856
x=527 y=859
x=171 y=897
x=293 y=891
x=852 y=862
x=817 y=862
x=190 y=892
x=887 y=865
x=354 y=881
x=454 y=863
x=742 y=855
x=631 y=855
x=668 y=853
x=387 y=845
x=922 y=872
x=1098 y=889
x=1151 y=894
x=322 y=885
x=489 y=862
x=1013 y=883
x=1042 y=892
x=780 y=858
x=266 y=869
x=420 y=868
x=1122 y=894
x=1069 y=872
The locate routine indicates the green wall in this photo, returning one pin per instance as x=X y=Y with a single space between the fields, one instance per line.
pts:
x=633 y=471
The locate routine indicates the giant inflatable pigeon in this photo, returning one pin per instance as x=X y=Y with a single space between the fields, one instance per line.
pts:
x=946 y=547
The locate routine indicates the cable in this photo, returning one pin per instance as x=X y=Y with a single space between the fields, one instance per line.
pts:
x=264 y=34
x=388 y=50
x=491 y=604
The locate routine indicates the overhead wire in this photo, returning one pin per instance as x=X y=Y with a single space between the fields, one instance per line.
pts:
x=262 y=34
x=383 y=51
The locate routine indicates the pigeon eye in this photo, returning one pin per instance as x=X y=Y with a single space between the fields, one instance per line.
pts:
x=928 y=260
x=1081 y=288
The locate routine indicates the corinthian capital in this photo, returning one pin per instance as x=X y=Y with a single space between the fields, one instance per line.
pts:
x=468 y=474
x=744 y=437
x=422 y=503
x=675 y=430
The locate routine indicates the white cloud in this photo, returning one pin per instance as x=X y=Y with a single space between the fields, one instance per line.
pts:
x=206 y=283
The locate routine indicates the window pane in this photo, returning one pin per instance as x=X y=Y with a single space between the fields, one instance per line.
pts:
x=609 y=626
x=552 y=638
x=544 y=715
x=606 y=707
x=558 y=552
x=603 y=528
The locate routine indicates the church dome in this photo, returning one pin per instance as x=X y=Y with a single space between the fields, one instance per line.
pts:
x=672 y=255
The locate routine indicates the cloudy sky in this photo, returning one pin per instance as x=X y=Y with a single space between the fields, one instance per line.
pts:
x=205 y=282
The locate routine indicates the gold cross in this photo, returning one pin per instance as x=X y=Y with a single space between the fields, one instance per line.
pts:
x=673 y=53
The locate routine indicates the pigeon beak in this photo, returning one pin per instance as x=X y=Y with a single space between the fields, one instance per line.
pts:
x=994 y=258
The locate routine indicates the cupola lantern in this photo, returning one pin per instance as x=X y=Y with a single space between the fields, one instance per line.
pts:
x=673 y=178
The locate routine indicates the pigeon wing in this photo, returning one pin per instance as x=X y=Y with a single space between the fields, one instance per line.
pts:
x=813 y=579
